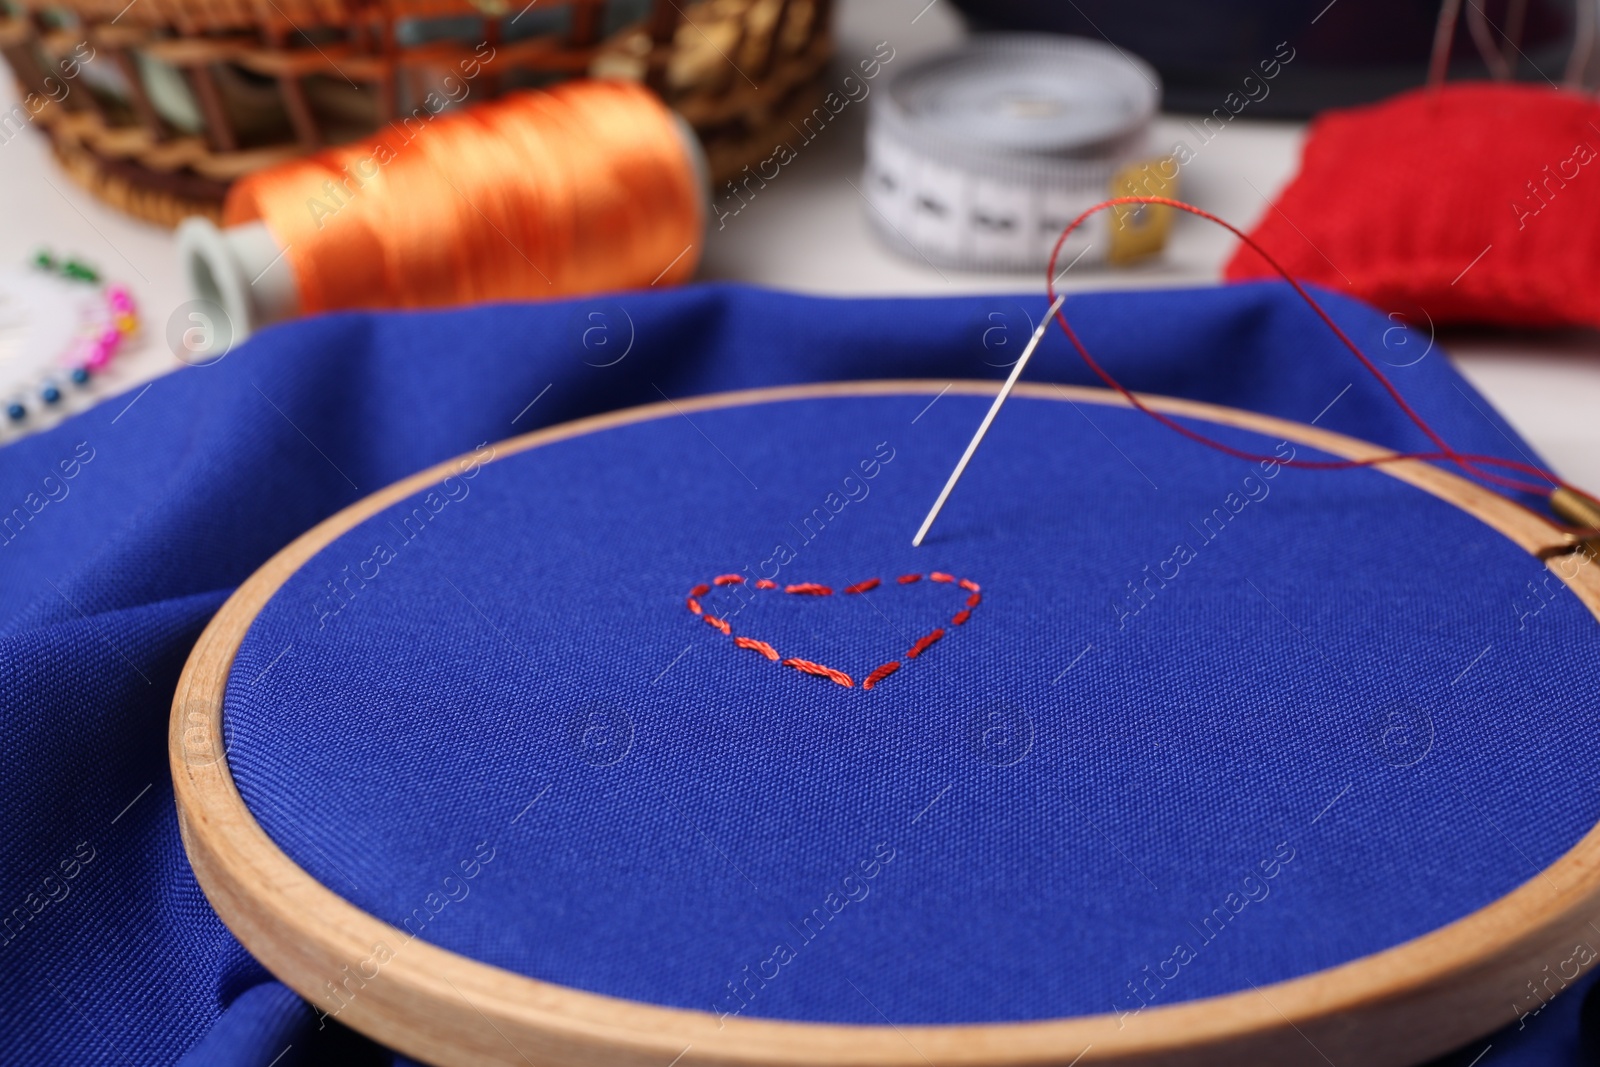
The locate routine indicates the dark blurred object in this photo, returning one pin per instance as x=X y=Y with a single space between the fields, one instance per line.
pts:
x=1589 y=1026
x=1346 y=52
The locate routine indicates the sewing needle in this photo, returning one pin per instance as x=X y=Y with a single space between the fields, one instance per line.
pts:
x=983 y=427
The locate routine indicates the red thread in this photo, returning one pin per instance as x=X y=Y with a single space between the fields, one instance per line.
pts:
x=974 y=600
x=821 y=672
x=880 y=674
x=923 y=644
x=1467 y=461
x=758 y=646
x=838 y=677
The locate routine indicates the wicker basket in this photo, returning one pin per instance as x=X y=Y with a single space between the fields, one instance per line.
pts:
x=158 y=105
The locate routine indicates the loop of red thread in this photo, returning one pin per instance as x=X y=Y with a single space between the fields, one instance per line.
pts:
x=816 y=589
x=1468 y=461
x=821 y=672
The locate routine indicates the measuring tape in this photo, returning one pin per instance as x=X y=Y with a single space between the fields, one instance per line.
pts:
x=978 y=158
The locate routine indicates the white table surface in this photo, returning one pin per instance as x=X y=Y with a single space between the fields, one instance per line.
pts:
x=807 y=232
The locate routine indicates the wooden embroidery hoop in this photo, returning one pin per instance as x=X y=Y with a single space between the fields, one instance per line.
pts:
x=1395 y=1007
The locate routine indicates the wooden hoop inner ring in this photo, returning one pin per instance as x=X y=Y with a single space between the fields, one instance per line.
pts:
x=1398 y=1006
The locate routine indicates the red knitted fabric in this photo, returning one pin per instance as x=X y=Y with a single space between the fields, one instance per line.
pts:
x=1477 y=202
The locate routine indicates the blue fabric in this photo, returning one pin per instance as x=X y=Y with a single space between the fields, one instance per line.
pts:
x=1129 y=743
x=137 y=520
x=268 y=1025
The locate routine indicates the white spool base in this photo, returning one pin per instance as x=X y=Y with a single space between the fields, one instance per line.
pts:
x=241 y=269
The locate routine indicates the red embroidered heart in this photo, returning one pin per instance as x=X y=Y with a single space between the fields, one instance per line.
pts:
x=813 y=589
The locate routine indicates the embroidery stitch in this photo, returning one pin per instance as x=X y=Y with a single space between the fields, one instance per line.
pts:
x=925 y=642
x=806 y=666
x=821 y=672
x=880 y=674
x=759 y=646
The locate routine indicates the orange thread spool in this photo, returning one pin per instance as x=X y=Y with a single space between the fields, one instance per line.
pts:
x=585 y=186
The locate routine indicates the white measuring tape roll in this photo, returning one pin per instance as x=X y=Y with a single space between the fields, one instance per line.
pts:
x=980 y=157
